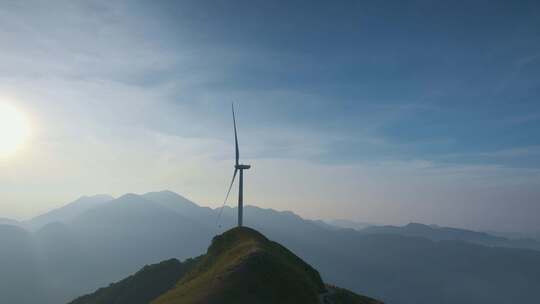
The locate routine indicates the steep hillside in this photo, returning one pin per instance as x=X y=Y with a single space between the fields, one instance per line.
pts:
x=240 y=266
x=142 y=287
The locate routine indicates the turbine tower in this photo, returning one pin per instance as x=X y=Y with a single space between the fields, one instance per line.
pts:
x=241 y=168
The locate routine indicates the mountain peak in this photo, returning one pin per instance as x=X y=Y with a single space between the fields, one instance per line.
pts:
x=167 y=192
x=414 y=225
x=128 y=197
x=240 y=266
x=169 y=197
x=236 y=237
x=243 y=266
x=69 y=211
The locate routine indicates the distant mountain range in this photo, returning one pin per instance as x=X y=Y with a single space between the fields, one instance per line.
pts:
x=7 y=221
x=90 y=243
x=437 y=233
x=343 y=223
x=240 y=266
x=68 y=211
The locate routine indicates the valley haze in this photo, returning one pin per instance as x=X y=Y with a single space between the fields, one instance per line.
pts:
x=111 y=238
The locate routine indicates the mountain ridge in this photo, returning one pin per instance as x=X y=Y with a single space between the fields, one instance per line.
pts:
x=112 y=246
x=68 y=211
x=438 y=233
x=240 y=266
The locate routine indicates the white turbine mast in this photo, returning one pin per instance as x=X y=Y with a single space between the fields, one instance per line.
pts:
x=241 y=168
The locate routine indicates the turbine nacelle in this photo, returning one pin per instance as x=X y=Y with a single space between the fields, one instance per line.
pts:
x=242 y=167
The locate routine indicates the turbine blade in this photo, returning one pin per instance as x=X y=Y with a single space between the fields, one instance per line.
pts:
x=230 y=187
x=226 y=197
x=235 y=137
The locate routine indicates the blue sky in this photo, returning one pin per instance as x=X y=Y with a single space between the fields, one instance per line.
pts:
x=387 y=112
x=454 y=82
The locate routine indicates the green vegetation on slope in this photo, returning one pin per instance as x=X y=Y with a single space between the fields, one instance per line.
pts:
x=242 y=266
x=142 y=287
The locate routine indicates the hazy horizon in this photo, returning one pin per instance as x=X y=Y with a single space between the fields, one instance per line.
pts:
x=388 y=113
x=520 y=234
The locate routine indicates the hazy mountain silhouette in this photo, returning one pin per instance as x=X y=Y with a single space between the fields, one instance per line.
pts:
x=445 y=233
x=133 y=231
x=8 y=221
x=68 y=211
x=240 y=266
x=107 y=243
x=182 y=206
x=19 y=270
x=343 y=223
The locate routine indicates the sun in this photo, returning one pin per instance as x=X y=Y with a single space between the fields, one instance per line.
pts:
x=14 y=129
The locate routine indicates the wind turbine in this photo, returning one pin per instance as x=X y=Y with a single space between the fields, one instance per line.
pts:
x=241 y=168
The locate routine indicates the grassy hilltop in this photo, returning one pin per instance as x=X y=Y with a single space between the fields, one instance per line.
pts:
x=240 y=266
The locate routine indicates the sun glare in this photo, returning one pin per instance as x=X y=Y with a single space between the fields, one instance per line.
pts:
x=14 y=129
